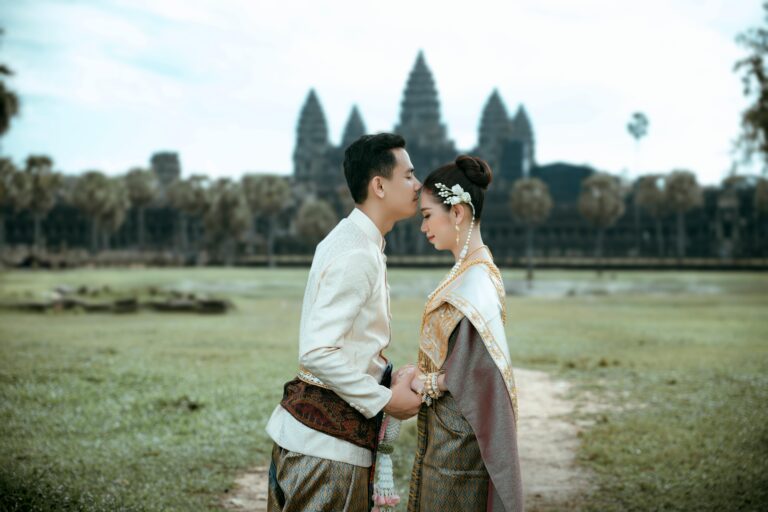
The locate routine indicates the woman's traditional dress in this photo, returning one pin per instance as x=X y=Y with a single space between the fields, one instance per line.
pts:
x=466 y=457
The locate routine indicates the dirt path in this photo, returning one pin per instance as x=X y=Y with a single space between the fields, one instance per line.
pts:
x=547 y=439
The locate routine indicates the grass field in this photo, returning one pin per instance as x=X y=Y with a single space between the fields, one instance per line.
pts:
x=160 y=411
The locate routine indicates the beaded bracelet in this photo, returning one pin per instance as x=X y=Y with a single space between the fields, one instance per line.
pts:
x=435 y=388
x=431 y=390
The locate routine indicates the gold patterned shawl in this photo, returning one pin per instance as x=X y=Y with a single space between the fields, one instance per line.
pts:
x=476 y=292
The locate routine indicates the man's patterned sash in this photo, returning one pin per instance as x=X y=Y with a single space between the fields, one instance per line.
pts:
x=323 y=410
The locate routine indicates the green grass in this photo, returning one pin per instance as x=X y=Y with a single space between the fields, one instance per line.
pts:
x=161 y=411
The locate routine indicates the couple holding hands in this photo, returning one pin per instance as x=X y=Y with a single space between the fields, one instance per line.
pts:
x=328 y=426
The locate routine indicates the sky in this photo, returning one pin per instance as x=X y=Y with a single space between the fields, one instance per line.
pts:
x=105 y=84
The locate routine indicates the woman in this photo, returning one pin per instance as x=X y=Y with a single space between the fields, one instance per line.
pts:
x=466 y=457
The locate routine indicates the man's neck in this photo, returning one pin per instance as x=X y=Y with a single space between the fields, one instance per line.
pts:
x=383 y=223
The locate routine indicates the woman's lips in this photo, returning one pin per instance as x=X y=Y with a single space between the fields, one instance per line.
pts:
x=430 y=238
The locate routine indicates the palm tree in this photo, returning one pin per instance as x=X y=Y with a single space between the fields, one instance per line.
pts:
x=638 y=126
x=44 y=184
x=754 y=69
x=531 y=203
x=314 y=220
x=761 y=195
x=9 y=101
x=682 y=194
x=115 y=210
x=143 y=188
x=227 y=217
x=21 y=190
x=601 y=203
x=7 y=171
x=649 y=195
x=761 y=206
x=267 y=195
x=91 y=194
x=190 y=198
x=250 y=185
x=105 y=200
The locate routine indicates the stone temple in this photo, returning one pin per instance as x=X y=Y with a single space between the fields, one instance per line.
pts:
x=505 y=141
x=727 y=225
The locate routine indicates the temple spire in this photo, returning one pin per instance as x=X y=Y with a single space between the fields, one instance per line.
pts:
x=420 y=108
x=494 y=123
x=311 y=139
x=494 y=131
x=354 y=128
x=521 y=124
x=522 y=129
x=312 y=128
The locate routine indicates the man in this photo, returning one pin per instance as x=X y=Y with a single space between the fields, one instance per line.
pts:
x=326 y=427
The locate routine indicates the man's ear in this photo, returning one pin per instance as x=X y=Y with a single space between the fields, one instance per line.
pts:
x=376 y=186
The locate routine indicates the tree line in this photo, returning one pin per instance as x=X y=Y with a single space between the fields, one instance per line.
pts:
x=229 y=209
x=603 y=197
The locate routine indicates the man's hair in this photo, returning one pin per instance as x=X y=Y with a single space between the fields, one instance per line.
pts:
x=369 y=156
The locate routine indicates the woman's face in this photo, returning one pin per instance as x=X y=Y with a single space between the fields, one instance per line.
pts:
x=438 y=224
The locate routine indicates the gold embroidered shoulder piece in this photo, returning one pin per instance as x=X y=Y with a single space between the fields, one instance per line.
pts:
x=435 y=331
x=476 y=292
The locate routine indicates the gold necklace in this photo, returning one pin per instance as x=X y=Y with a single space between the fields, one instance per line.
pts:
x=477 y=249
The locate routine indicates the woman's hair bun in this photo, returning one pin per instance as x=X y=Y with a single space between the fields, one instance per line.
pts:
x=475 y=169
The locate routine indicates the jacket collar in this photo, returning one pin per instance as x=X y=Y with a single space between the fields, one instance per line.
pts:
x=361 y=220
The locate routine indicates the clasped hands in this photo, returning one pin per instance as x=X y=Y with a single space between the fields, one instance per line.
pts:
x=406 y=392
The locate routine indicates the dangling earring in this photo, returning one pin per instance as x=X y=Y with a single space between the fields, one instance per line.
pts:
x=463 y=252
x=457 y=236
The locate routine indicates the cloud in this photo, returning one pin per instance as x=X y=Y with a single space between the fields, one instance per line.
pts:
x=106 y=84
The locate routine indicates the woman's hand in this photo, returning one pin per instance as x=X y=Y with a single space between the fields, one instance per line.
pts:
x=417 y=382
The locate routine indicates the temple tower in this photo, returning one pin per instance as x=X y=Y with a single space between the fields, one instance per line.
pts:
x=522 y=130
x=312 y=146
x=495 y=128
x=354 y=128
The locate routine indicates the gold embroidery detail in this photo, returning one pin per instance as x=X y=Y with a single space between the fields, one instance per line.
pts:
x=435 y=334
x=307 y=376
x=443 y=312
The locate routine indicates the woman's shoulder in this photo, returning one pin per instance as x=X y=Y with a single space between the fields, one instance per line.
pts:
x=480 y=292
x=482 y=272
x=481 y=278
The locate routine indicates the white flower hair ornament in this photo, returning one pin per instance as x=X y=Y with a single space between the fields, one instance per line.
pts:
x=455 y=195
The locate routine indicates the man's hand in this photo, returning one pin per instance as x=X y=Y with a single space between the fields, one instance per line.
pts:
x=404 y=402
x=404 y=372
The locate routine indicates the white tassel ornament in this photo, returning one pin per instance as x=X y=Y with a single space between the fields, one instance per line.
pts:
x=385 y=498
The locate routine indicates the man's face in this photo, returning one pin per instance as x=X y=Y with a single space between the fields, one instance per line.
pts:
x=401 y=190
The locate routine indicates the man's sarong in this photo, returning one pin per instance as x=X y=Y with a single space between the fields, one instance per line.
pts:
x=300 y=483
